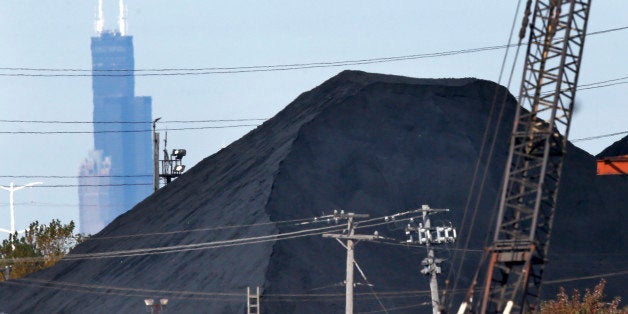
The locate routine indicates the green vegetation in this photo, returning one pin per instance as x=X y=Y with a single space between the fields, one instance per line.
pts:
x=40 y=247
x=592 y=302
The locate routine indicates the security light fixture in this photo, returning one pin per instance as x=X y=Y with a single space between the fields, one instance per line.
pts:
x=178 y=153
x=179 y=168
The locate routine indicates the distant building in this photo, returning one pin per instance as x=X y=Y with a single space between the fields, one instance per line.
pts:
x=94 y=192
x=118 y=172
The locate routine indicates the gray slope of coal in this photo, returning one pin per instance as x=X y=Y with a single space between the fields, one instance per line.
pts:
x=361 y=142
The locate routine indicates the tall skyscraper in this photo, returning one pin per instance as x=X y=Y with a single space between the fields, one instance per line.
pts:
x=117 y=174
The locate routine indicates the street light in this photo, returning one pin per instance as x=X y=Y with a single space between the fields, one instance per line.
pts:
x=11 y=190
x=153 y=307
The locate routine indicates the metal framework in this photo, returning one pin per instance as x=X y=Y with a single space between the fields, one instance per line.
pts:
x=528 y=201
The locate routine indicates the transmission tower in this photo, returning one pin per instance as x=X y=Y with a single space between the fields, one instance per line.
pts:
x=518 y=253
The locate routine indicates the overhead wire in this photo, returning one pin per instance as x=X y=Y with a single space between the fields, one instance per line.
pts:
x=87 y=185
x=135 y=235
x=202 y=245
x=563 y=280
x=595 y=137
x=131 y=122
x=489 y=156
x=237 y=297
x=252 y=69
x=214 y=296
x=368 y=284
x=208 y=245
x=76 y=177
x=22 y=282
x=157 y=291
x=132 y=131
x=588 y=86
x=247 y=69
x=402 y=307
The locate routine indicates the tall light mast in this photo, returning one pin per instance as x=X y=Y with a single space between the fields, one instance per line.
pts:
x=12 y=188
x=538 y=145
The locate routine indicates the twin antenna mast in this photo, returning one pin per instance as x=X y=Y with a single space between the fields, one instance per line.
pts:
x=100 y=20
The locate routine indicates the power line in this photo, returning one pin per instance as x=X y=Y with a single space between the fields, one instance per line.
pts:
x=129 y=131
x=132 y=122
x=237 y=297
x=602 y=82
x=50 y=285
x=83 y=185
x=619 y=273
x=592 y=85
x=76 y=177
x=600 y=86
x=250 y=69
x=201 y=229
x=199 y=295
x=598 y=136
x=212 y=244
x=489 y=156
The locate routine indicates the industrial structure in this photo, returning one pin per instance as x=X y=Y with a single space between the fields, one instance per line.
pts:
x=118 y=173
x=616 y=165
x=519 y=250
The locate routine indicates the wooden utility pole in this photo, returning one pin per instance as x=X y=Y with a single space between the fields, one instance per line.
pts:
x=350 y=236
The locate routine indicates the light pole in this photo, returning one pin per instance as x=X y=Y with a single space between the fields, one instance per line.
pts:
x=155 y=156
x=153 y=307
x=11 y=190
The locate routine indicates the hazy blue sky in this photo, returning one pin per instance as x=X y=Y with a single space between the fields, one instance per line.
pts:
x=196 y=34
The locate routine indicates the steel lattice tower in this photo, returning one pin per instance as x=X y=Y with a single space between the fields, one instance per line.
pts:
x=537 y=148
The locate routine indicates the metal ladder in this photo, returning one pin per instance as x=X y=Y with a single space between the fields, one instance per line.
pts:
x=252 y=301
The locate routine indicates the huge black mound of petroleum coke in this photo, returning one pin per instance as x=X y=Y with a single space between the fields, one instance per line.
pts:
x=365 y=143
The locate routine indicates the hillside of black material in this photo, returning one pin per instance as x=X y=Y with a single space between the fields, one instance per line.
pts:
x=618 y=148
x=367 y=143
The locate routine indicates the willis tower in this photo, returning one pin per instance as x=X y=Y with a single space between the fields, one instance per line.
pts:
x=118 y=172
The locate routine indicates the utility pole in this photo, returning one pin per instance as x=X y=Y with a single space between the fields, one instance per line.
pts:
x=350 y=236
x=155 y=156
x=428 y=236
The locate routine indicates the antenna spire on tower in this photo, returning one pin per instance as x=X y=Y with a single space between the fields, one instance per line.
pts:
x=100 y=22
x=122 y=18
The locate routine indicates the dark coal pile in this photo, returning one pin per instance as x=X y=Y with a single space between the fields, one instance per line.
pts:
x=361 y=142
x=618 y=148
